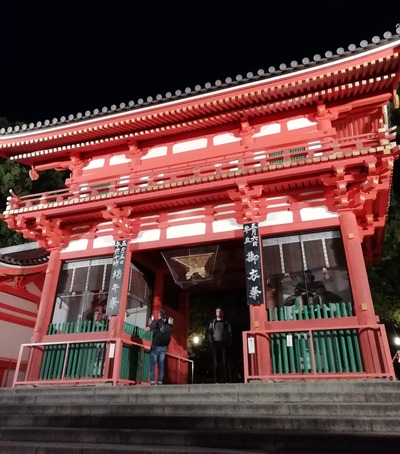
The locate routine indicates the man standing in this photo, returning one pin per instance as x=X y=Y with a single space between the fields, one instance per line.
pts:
x=161 y=331
x=220 y=336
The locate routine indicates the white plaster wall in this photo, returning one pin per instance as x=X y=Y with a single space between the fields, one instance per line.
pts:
x=156 y=152
x=225 y=225
x=225 y=138
x=278 y=217
x=103 y=241
x=314 y=213
x=120 y=159
x=95 y=164
x=19 y=303
x=189 y=145
x=76 y=245
x=179 y=231
x=147 y=235
x=267 y=130
x=18 y=334
x=299 y=123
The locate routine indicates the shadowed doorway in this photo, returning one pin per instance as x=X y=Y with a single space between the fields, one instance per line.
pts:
x=227 y=289
x=201 y=313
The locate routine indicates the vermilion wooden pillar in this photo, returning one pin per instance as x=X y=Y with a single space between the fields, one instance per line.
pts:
x=372 y=346
x=258 y=322
x=363 y=305
x=44 y=313
x=48 y=296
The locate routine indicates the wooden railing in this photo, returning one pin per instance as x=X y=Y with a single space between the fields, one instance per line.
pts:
x=318 y=311
x=136 y=331
x=81 y=326
x=68 y=362
x=88 y=326
x=314 y=353
x=205 y=170
x=92 y=360
x=110 y=361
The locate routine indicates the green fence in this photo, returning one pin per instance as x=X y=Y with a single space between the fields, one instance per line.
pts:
x=332 y=351
x=82 y=326
x=299 y=312
x=135 y=360
x=84 y=360
x=87 y=326
x=135 y=363
x=135 y=331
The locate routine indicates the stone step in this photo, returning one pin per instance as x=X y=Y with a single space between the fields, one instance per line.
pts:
x=212 y=441
x=293 y=386
x=205 y=409
x=191 y=398
x=257 y=391
x=305 y=423
x=17 y=447
x=262 y=416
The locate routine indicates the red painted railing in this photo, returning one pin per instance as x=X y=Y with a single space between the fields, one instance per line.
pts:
x=328 y=352
x=107 y=364
x=204 y=170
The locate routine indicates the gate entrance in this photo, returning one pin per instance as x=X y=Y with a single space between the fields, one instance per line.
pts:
x=227 y=289
x=201 y=313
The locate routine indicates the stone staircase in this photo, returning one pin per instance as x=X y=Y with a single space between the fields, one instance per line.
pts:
x=329 y=416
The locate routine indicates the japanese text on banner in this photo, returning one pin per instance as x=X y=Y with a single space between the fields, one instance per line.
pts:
x=252 y=256
x=116 y=278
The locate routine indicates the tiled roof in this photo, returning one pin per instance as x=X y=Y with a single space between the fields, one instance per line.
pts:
x=28 y=254
x=188 y=92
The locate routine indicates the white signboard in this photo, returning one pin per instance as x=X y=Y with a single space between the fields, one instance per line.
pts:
x=111 y=351
x=251 y=345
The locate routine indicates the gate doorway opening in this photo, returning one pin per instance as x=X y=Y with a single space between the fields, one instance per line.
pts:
x=201 y=313
x=227 y=289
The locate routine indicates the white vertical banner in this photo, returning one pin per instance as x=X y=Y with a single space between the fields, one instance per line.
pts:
x=116 y=278
x=252 y=257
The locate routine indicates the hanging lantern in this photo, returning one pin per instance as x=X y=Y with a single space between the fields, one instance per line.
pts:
x=193 y=265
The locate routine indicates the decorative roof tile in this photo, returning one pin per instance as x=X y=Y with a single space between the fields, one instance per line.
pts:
x=188 y=92
x=28 y=254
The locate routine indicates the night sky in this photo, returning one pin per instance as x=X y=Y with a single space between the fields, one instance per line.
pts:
x=63 y=58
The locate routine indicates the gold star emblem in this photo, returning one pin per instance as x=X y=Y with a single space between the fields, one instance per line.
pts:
x=195 y=264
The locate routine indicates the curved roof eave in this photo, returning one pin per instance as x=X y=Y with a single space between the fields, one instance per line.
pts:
x=28 y=255
x=13 y=137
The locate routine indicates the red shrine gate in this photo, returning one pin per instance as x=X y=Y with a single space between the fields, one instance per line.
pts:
x=277 y=185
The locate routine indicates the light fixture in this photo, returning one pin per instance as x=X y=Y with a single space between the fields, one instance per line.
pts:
x=396 y=337
x=196 y=265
